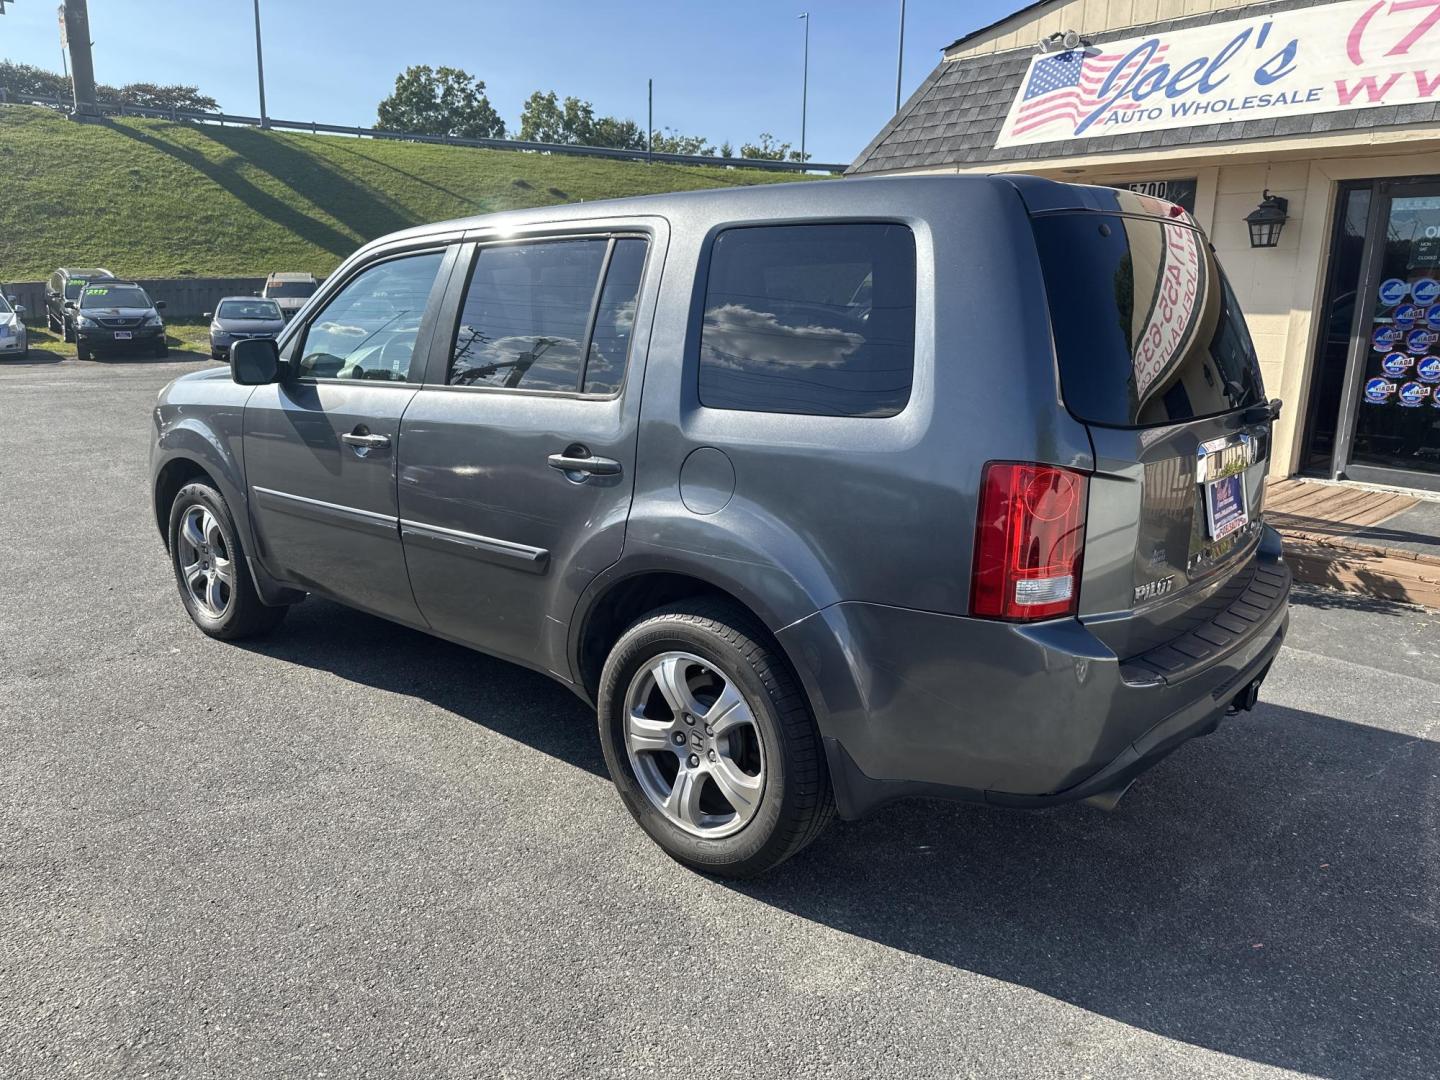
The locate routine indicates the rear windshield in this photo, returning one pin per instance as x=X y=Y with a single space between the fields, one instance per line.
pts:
x=248 y=309
x=1147 y=330
x=291 y=289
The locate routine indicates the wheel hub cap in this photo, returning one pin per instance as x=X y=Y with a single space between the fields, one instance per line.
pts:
x=693 y=742
x=206 y=569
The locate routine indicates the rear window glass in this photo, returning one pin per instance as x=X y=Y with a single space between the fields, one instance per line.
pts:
x=816 y=320
x=1147 y=330
x=249 y=309
x=291 y=290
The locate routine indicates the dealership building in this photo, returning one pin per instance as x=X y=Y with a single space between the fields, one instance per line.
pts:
x=1303 y=138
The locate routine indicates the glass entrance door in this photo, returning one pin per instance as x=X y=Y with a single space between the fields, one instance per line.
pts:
x=1389 y=429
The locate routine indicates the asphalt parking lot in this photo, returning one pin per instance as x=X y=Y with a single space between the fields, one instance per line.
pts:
x=352 y=850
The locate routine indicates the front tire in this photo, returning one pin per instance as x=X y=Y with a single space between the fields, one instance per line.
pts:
x=710 y=741
x=67 y=330
x=82 y=353
x=210 y=568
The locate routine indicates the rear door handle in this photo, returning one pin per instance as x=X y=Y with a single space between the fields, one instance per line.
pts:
x=576 y=459
x=361 y=437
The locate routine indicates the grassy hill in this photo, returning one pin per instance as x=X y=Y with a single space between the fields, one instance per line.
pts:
x=150 y=198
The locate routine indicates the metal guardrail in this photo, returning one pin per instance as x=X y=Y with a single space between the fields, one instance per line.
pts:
x=194 y=116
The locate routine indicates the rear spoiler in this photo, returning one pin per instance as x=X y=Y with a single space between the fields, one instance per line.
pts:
x=1042 y=196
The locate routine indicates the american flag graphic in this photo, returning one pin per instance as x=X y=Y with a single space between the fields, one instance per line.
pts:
x=1065 y=87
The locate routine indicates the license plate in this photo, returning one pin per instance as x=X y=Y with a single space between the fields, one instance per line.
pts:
x=1225 y=509
x=122 y=335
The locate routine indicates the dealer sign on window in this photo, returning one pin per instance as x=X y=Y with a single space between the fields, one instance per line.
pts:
x=1360 y=54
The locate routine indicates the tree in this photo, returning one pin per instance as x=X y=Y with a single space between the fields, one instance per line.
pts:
x=151 y=96
x=670 y=141
x=25 y=81
x=573 y=122
x=771 y=149
x=440 y=101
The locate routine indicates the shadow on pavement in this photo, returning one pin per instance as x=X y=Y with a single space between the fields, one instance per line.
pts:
x=1268 y=892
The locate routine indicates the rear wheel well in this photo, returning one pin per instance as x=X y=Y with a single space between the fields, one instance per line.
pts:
x=175 y=475
x=627 y=601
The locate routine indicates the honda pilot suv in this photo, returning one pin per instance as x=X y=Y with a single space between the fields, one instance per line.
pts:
x=822 y=494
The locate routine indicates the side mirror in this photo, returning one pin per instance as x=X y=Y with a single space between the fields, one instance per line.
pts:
x=19 y=309
x=69 y=303
x=207 y=315
x=254 y=361
x=159 y=305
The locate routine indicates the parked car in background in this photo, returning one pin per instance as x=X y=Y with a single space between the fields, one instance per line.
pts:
x=238 y=317
x=113 y=316
x=61 y=293
x=14 y=338
x=290 y=291
x=823 y=494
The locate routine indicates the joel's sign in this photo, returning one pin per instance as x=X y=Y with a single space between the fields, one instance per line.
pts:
x=1355 y=55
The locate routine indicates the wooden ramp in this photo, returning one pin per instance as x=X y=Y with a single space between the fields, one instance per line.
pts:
x=1319 y=523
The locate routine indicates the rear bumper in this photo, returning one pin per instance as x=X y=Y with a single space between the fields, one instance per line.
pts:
x=916 y=703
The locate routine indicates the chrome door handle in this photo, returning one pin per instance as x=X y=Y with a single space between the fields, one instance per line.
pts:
x=572 y=461
x=365 y=439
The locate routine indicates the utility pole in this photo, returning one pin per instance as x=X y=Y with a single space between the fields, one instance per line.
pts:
x=900 y=60
x=260 y=67
x=805 y=84
x=82 y=65
x=650 y=121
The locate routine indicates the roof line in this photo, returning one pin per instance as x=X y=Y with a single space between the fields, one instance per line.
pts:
x=998 y=22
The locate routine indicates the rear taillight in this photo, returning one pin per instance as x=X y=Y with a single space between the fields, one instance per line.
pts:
x=1028 y=541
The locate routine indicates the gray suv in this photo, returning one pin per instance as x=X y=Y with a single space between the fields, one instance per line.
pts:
x=823 y=494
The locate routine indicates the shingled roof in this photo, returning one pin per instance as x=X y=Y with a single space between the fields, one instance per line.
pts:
x=956 y=115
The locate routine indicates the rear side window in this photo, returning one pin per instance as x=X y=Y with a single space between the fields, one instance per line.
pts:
x=1147 y=330
x=816 y=320
x=551 y=315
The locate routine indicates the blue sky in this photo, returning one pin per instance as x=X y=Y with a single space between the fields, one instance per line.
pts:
x=726 y=69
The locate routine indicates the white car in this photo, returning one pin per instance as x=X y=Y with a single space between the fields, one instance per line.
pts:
x=14 y=339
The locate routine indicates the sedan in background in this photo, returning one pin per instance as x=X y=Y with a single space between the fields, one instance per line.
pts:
x=14 y=342
x=239 y=317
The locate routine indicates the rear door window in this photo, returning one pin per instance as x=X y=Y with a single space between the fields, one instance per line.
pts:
x=549 y=315
x=816 y=320
x=1147 y=330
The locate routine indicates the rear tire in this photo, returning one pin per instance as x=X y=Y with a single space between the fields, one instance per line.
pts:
x=748 y=796
x=210 y=567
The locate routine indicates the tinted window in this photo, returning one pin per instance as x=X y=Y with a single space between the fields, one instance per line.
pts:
x=291 y=289
x=525 y=315
x=114 y=296
x=1147 y=330
x=813 y=319
x=615 y=318
x=367 y=330
x=248 y=309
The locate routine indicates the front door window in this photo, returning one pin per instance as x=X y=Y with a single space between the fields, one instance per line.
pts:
x=1398 y=419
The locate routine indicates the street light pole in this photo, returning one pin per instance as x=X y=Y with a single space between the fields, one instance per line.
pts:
x=805 y=84
x=260 y=67
x=900 y=60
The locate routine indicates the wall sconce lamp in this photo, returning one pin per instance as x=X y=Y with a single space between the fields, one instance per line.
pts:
x=1266 y=220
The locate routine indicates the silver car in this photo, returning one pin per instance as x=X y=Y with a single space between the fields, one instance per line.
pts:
x=239 y=317
x=14 y=341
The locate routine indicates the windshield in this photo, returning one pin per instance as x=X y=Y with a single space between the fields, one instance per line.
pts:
x=291 y=289
x=1147 y=330
x=114 y=296
x=248 y=309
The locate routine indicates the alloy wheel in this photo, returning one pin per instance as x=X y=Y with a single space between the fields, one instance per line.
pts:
x=694 y=744
x=206 y=566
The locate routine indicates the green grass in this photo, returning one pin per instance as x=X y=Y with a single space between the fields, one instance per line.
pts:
x=150 y=198
x=187 y=340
